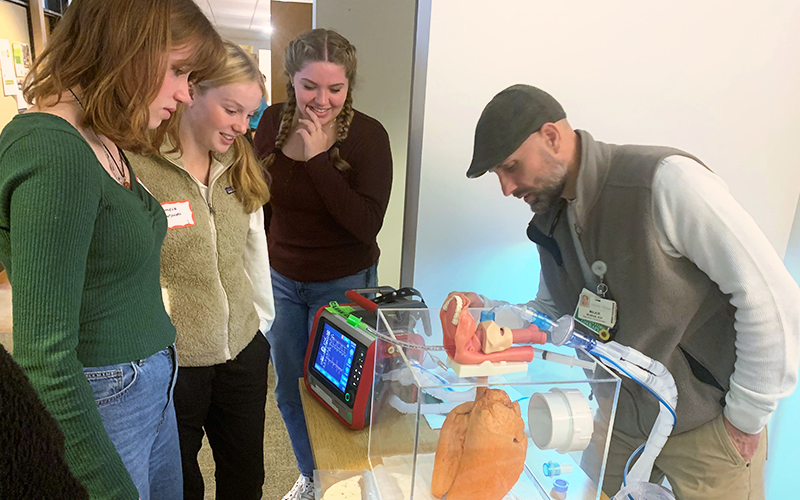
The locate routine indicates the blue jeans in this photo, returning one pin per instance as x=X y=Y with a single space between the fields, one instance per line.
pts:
x=296 y=304
x=135 y=402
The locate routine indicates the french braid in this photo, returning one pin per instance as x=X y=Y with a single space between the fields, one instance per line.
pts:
x=319 y=45
x=344 y=120
x=286 y=124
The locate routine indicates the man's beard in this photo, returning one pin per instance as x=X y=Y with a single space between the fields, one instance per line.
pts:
x=552 y=188
x=545 y=197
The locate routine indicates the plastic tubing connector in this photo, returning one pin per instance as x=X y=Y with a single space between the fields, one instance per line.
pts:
x=553 y=469
x=564 y=333
x=539 y=319
x=487 y=316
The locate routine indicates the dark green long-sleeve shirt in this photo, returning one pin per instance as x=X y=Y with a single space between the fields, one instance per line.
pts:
x=82 y=255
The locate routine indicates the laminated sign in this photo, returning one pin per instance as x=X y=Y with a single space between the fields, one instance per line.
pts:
x=10 y=87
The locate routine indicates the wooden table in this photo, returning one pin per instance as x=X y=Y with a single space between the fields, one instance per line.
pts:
x=333 y=445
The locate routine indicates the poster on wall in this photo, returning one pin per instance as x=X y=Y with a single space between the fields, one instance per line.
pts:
x=21 y=53
x=10 y=87
x=22 y=59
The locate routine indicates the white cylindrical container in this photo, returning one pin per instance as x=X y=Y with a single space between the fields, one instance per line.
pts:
x=560 y=419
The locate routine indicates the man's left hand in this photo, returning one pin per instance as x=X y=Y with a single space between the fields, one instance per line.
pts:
x=745 y=443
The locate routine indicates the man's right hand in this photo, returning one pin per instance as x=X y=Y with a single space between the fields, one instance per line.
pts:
x=746 y=444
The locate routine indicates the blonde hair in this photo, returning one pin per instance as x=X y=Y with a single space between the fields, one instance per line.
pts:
x=117 y=52
x=246 y=172
x=319 y=45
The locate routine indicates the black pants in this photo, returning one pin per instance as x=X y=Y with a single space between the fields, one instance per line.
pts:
x=227 y=401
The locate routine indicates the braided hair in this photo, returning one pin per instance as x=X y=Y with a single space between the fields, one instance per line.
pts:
x=319 y=45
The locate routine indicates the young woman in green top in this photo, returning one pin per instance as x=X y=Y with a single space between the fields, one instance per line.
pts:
x=81 y=239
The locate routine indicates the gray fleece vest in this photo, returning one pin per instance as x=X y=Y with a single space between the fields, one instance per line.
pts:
x=202 y=265
x=668 y=308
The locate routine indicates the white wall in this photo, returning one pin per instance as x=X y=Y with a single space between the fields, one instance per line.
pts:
x=383 y=34
x=792 y=259
x=721 y=83
x=784 y=433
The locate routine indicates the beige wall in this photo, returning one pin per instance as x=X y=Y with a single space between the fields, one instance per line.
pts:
x=383 y=33
x=14 y=28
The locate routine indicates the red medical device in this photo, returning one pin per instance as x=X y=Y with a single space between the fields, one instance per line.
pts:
x=340 y=359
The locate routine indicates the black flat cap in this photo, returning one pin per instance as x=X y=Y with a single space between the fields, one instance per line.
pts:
x=507 y=121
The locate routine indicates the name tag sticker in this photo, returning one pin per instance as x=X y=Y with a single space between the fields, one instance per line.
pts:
x=596 y=309
x=179 y=213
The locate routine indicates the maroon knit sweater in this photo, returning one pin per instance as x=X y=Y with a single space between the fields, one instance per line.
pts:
x=322 y=223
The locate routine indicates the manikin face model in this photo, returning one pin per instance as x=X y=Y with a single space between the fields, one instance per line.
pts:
x=174 y=89
x=466 y=342
x=217 y=115
x=533 y=174
x=321 y=89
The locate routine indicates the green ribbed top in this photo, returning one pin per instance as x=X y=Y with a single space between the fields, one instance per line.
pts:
x=83 y=258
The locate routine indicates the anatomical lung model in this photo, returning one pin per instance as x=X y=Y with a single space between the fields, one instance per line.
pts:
x=470 y=344
x=481 y=450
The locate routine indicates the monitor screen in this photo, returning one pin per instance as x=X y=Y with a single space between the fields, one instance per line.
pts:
x=335 y=356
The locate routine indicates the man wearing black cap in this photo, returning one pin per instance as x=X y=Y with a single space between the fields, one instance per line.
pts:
x=685 y=274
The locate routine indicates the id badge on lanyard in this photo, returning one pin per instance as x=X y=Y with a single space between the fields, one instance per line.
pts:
x=594 y=310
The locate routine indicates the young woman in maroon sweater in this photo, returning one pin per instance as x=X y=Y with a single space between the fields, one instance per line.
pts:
x=331 y=170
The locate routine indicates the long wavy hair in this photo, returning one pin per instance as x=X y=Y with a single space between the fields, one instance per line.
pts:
x=247 y=172
x=117 y=52
x=319 y=45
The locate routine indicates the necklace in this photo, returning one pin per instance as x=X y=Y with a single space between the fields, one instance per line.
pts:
x=119 y=171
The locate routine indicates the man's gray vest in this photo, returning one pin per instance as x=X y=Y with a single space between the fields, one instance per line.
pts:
x=668 y=308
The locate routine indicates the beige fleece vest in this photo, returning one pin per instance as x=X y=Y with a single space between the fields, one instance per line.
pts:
x=202 y=264
x=668 y=308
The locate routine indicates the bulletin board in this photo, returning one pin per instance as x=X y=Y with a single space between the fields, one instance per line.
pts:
x=15 y=57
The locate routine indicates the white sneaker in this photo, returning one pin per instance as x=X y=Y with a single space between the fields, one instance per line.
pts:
x=303 y=489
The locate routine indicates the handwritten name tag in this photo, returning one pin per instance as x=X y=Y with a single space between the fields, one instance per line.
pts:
x=179 y=213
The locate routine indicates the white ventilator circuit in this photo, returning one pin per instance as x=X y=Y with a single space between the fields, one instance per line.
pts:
x=432 y=377
x=649 y=373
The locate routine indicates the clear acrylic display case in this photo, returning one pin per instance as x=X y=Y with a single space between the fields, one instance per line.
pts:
x=415 y=389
